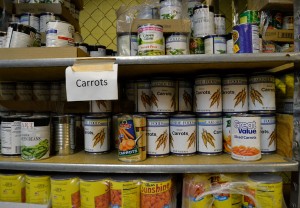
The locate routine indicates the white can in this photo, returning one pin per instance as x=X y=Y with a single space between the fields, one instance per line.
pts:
x=207 y=94
x=220 y=24
x=209 y=133
x=11 y=135
x=203 y=21
x=97 y=50
x=288 y=23
x=162 y=95
x=235 y=93
x=59 y=34
x=268 y=133
x=229 y=45
x=127 y=44
x=184 y=96
x=158 y=143
x=170 y=9
x=44 y=19
x=7 y=90
x=96 y=133
x=31 y=20
x=215 y=44
x=246 y=137
x=20 y=36
x=262 y=92
x=23 y=91
x=41 y=91
x=55 y=91
x=143 y=99
x=151 y=40
x=190 y=5
x=2 y=39
x=100 y=106
x=177 y=44
x=183 y=134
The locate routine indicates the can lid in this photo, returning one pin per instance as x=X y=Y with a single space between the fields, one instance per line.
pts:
x=214 y=36
x=47 y=13
x=124 y=178
x=182 y=115
x=156 y=178
x=229 y=114
x=96 y=116
x=209 y=115
x=265 y=178
x=157 y=116
x=39 y=120
x=91 y=177
x=149 y=24
x=244 y=115
x=28 y=14
x=219 y=15
x=211 y=8
x=64 y=177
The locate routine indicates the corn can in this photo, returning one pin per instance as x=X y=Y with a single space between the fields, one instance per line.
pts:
x=125 y=192
x=262 y=92
x=156 y=191
x=209 y=133
x=65 y=192
x=246 y=137
x=37 y=189
x=158 y=135
x=194 y=191
x=94 y=192
x=12 y=187
x=207 y=94
x=268 y=133
x=235 y=93
x=264 y=190
x=132 y=136
x=162 y=95
x=184 y=96
x=183 y=134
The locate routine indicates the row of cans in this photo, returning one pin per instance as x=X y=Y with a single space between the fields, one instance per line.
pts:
x=208 y=94
x=89 y=191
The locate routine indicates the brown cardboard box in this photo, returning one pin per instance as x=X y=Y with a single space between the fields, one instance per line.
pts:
x=38 y=8
x=286 y=36
x=177 y=25
x=282 y=5
x=35 y=53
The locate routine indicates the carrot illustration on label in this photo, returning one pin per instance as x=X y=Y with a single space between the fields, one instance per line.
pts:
x=215 y=98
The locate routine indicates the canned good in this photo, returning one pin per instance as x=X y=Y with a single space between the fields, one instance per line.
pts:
x=203 y=20
x=245 y=38
x=170 y=9
x=277 y=19
x=207 y=94
x=64 y=129
x=12 y=188
x=115 y=131
x=184 y=95
x=94 y=192
x=59 y=34
x=65 y=191
x=235 y=93
x=209 y=133
x=31 y=20
x=132 y=136
x=176 y=44
x=262 y=92
x=191 y=4
x=249 y=16
x=148 y=12
x=229 y=44
x=150 y=40
x=97 y=50
x=215 y=44
x=196 y=45
x=11 y=135
x=227 y=131
x=24 y=91
x=55 y=91
x=183 y=134
x=156 y=191
x=100 y=106
x=265 y=189
x=268 y=133
x=2 y=39
x=246 y=137
x=125 y=192
x=45 y=17
x=143 y=99
x=220 y=23
x=127 y=44
x=35 y=137
x=40 y=91
x=96 y=133
x=158 y=142
x=7 y=90
x=162 y=95
x=37 y=189
x=269 y=47
x=288 y=23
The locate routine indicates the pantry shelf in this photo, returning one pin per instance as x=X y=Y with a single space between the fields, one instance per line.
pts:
x=109 y=163
x=44 y=69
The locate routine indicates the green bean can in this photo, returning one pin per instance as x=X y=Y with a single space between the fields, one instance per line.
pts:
x=35 y=137
x=249 y=16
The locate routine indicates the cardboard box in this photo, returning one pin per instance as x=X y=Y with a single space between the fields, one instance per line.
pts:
x=35 y=53
x=282 y=5
x=23 y=205
x=286 y=36
x=169 y=26
x=57 y=9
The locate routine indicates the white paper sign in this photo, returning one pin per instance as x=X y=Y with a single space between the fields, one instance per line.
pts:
x=92 y=85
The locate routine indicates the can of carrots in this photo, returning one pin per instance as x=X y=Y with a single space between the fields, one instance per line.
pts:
x=132 y=138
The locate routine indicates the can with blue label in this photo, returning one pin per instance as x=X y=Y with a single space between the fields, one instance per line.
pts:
x=215 y=44
x=245 y=38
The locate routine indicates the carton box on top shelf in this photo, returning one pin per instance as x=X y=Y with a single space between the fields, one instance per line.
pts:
x=282 y=5
x=285 y=36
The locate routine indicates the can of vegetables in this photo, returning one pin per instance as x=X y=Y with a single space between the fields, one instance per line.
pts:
x=35 y=137
x=132 y=136
x=156 y=191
